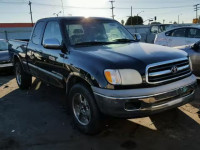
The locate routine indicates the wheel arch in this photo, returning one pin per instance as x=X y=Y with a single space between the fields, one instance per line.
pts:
x=74 y=79
x=16 y=59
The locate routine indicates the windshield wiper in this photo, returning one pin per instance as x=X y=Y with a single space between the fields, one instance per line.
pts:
x=123 y=40
x=93 y=43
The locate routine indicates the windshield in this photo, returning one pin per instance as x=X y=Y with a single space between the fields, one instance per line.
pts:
x=164 y=28
x=3 y=45
x=97 y=31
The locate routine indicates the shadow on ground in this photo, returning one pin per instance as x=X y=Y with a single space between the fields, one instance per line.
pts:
x=37 y=119
x=5 y=78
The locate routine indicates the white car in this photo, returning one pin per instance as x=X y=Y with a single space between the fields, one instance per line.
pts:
x=178 y=36
x=194 y=52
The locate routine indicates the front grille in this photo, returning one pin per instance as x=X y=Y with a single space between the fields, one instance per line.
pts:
x=167 y=71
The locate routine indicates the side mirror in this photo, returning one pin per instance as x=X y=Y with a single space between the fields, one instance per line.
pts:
x=52 y=44
x=137 y=37
x=196 y=47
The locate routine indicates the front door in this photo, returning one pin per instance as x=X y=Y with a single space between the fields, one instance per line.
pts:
x=177 y=37
x=53 y=58
x=34 y=52
x=193 y=35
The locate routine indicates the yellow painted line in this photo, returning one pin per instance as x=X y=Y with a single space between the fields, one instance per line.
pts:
x=4 y=90
x=145 y=122
x=191 y=112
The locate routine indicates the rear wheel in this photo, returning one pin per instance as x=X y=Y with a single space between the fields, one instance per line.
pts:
x=85 y=113
x=23 y=79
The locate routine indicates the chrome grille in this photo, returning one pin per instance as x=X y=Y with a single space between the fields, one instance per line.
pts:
x=167 y=71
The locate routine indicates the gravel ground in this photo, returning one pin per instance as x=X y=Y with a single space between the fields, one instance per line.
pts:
x=37 y=120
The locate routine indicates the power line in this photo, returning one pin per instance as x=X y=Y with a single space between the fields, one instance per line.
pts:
x=13 y=2
x=78 y=7
x=173 y=7
x=112 y=1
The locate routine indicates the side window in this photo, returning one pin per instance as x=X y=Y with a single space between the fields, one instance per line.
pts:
x=3 y=45
x=179 y=33
x=154 y=29
x=52 y=31
x=36 y=37
x=169 y=33
x=194 y=33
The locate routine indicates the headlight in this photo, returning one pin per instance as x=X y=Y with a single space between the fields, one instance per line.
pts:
x=123 y=76
x=190 y=62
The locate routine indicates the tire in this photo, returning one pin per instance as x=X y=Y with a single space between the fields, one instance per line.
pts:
x=23 y=79
x=94 y=122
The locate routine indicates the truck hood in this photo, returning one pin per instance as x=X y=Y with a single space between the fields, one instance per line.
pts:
x=4 y=56
x=140 y=52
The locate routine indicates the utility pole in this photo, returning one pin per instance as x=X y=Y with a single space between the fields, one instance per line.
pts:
x=196 y=8
x=131 y=15
x=179 y=17
x=63 y=8
x=112 y=1
x=137 y=16
x=31 y=12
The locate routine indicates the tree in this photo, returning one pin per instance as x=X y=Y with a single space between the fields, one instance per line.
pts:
x=135 y=20
x=155 y=23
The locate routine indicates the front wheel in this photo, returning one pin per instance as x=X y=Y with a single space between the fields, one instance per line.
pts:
x=85 y=113
x=23 y=79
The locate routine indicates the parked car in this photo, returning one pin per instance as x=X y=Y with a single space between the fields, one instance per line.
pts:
x=103 y=69
x=5 y=60
x=148 y=32
x=194 y=52
x=178 y=36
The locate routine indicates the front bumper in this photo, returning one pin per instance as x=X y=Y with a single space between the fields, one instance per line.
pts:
x=6 y=66
x=143 y=102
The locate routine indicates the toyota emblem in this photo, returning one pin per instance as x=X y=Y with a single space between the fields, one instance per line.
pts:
x=174 y=69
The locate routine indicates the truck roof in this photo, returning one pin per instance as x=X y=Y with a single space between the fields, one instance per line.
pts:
x=73 y=18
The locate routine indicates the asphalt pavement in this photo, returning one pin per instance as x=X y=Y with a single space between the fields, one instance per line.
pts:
x=37 y=119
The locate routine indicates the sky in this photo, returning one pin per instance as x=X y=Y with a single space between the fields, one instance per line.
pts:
x=168 y=10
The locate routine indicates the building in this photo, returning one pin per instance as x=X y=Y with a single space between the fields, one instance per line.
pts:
x=15 y=30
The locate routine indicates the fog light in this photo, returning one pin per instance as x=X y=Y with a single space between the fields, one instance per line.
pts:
x=132 y=105
x=149 y=100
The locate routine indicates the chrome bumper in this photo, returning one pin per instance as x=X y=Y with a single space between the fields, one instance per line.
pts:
x=6 y=65
x=143 y=102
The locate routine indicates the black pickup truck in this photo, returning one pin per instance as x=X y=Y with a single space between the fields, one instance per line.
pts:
x=104 y=69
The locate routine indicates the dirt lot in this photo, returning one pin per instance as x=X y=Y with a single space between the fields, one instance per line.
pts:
x=37 y=120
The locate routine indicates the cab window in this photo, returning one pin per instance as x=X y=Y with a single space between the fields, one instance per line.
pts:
x=179 y=33
x=52 y=31
x=36 y=36
x=3 y=45
x=194 y=33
